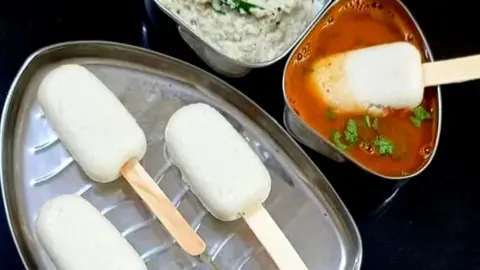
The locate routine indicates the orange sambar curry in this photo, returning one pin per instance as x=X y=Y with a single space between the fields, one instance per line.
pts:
x=398 y=144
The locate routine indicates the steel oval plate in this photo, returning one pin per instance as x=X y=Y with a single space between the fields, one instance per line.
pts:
x=36 y=167
x=308 y=136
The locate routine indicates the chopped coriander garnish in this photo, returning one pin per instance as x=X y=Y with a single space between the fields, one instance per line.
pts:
x=238 y=5
x=351 y=132
x=330 y=114
x=245 y=6
x=367 y=121
x=336 y=136
x=419 y=115
x=384 y=145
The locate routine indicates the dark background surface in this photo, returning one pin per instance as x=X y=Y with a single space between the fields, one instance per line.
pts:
x=433 y=221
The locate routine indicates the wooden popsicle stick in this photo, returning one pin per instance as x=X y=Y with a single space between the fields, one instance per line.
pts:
x=163 y=208
x=451 y=71
x=273 y=239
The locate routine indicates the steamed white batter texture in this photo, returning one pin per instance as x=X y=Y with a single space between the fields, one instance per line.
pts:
x=371 y=79
x=77 y=237
x=90 y=121
x=216 y=161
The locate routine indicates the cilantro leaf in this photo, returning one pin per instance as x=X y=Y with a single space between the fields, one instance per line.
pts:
x=384 y=145
x=337 y=140
x=351 y=132
x=238 y=5
x=419 y=115
x=416 y=122
x=245 y=6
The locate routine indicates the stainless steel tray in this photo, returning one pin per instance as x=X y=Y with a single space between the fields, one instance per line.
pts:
x=35 y=167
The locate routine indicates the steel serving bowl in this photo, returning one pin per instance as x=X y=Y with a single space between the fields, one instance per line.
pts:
x=214 y=58
x=302 y=132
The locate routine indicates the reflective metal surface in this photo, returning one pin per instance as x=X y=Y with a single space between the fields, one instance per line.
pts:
x=215 y=59
x=36 y=167
x=309 y=137
x=304 y=134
